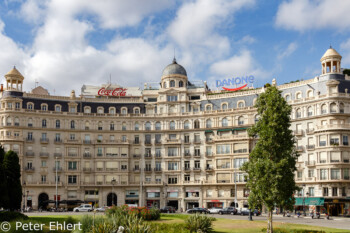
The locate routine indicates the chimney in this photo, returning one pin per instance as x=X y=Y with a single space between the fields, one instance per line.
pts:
x=2 y=88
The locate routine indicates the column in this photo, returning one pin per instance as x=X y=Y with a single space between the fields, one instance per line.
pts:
x=331 y=66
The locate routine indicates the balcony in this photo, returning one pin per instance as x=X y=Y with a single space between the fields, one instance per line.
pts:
x=158 y=169
x=30 y=154
x=173 y=141
x=57 y=155
x=148 y=156
x=187 y=169
x=136 y=156
x=310 y=131
x=87 y=141
x=298 y=132
x=58 y=169
x=310 y=147
x=158 y=142
x=136 y=142
x=148 y=143
x=197 y=141
x=209 y=140
x=87 y=155
x=196 y=169
x=209 y=169
x=44 y=154
x=300 y=148
x=111 y=155
x=136 y=169
x=240 y=151
x=30 y=140
x=44 y=140
x=187 y=141
x=310 y=163
x=209 y=154
x=70 y=154
x=223 y=181
x=58 y=140
x=29 y=169
x=158 y=155
x=197 y=155
x=148 y=169
x=187 y=154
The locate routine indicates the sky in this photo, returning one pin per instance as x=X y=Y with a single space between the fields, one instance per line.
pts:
x=63 y=44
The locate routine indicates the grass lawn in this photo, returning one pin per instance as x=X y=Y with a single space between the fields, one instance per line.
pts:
x=220 y=225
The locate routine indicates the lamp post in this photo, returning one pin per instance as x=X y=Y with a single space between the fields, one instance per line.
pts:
x=234 y=175
x=24 y=195
x=56 y=181
x=304 y=201
x=96 y=190
x=113 y=181
x=27 y=198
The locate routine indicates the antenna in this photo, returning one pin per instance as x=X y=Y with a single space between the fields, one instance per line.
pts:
x=110 y=78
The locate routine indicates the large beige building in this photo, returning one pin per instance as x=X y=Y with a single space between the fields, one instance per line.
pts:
x=175 y=143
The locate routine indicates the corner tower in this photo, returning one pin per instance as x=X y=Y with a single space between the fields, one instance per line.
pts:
x=14 y=80
x=331 y=62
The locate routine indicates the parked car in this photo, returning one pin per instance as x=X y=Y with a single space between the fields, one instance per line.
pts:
x=214 y=210
x=256 y=212
x=83 y=208
x=198 y=210
x=228 y=210
x=168 y=209
x=102 y=209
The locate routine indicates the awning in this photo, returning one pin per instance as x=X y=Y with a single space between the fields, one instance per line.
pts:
x=224 y=130
x=208 y=131
x=243 y=128
x=319 y=201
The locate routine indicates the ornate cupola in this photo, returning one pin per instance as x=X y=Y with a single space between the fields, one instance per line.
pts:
x=14 y=80
x=331 y=61
x=174 y=76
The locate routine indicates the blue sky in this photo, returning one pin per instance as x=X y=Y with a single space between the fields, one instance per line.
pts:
x=64 y=44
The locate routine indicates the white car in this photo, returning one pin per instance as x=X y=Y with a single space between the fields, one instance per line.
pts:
x=102 y=209
x=83 y=208
x=214 y=210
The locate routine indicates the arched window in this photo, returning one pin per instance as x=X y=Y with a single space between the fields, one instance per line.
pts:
x=87 y=125
x=224 y=106
x=124 y=126
x=100 y=110
x=72 y=124
x=323 y=109
x=58 y=108
x=298 y=113
x=124 y=111
x=43 y=123
x=148 y=125
x=30 y=106
x=257 y=118
x=87 y=109
x=9 y=121
x=16 y=121
x=333 y=108
x=112 y=110
x=287 y=97
x=224 y=122
x=298 y=95
x=208 y=123
x=44 y=107
x=172 y=125
x=99 y=125
x=241 y=104
x=137 y=126
x=58 y=124
x=341 y=108
x=240 y=120
x=310 y=93
x=186 y=125
x=181 y=84
x=136 y=110
x=158 y=126
x=172 y=83
x=310 y=111
x=164 y=85
x=208 y=108
x=196 y=124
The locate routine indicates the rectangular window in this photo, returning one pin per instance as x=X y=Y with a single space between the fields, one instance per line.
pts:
x=335 y=174
x=323 y=174
x=172 y=97
x=346 y=173
x=334 y=192
x=311 y=173
x=43 y=179
x=345 y=140
x=172 y=151
x=72 y=179
x=311 y=191
x=72 y=165
x=239 y=162
x=325 y=192
x=172 y=180
x=172 y=166
x=187 y=178
x=223 y=149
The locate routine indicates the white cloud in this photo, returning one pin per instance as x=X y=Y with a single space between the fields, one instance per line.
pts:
x=345 y=46
x=288 y=51
x=247 y=40
x=242 y=64
x=301 y=15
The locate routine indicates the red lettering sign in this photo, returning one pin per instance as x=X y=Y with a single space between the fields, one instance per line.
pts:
x=116 y=92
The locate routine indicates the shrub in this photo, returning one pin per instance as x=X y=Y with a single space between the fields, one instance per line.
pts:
x=9 y=216
x=282 y=230
x=141 y=212
x=200 y=223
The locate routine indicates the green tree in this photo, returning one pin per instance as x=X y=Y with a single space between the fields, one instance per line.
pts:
x=271 y=165
x=4 y=201
x=12 y=172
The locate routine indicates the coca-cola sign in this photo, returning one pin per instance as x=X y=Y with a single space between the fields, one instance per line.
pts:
x=112 y=92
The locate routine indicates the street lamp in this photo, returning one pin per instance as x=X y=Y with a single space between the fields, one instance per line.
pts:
x=24 y=195
x=113 y=181
x=27 y=198
x=234 y=175
x=56 y=168
x=304 y=201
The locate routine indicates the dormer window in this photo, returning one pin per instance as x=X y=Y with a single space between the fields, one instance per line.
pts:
x=87 y=110
x=137 y=110
x=112 y=110
x=44 y=107
x=100 y=110
x=72 y=109
x=224 y=106
x=58 y=108
x=30 y=106
x=124 y=111
x=181 y=84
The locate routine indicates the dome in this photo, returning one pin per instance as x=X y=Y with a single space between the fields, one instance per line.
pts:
x=174 y=68
x=14 y=73
x=330 y=53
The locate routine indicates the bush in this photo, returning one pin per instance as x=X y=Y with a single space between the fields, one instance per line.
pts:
x=141 y=212
x=170 y=228
x=200 y=223
x=281 y=230
x=9 y=216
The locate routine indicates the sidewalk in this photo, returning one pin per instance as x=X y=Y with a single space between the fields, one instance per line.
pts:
x=323 y=216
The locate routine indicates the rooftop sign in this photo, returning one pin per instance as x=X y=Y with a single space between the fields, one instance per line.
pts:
x=242 y=81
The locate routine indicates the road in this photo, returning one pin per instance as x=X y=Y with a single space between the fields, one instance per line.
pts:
x=334 y=222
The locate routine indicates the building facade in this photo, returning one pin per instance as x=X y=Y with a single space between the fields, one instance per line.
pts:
x=175 y=143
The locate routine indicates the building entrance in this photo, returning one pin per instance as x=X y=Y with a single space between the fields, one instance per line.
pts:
x=191 y=205
x=173 y=203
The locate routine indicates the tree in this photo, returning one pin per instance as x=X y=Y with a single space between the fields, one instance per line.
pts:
x=12 y=172
x=4 y=201
x=271 y=165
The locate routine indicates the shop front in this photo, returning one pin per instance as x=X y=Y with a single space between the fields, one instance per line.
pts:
x=337 y=207
x=132 y=197
x=192 y=198
x=152 y=198
x=215 y=203
x=309 y=204
x=173 y=195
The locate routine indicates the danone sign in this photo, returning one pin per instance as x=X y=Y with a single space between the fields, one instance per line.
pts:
x=241 y=82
